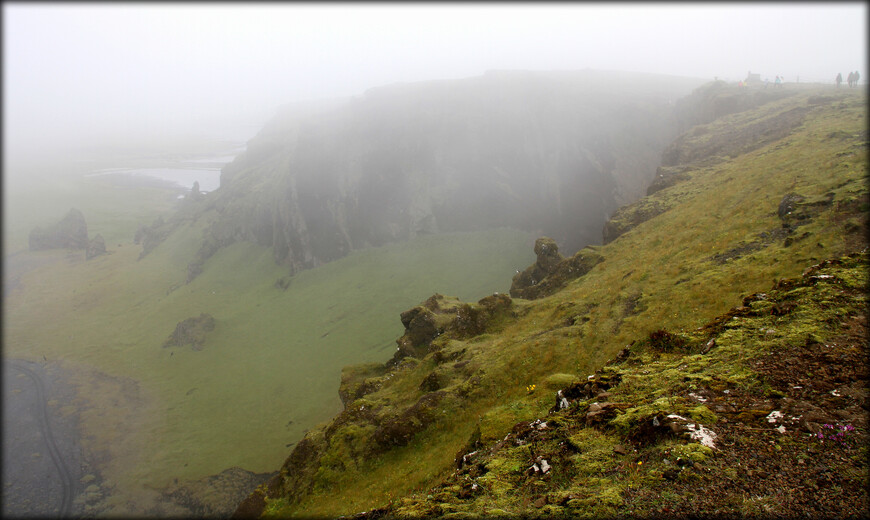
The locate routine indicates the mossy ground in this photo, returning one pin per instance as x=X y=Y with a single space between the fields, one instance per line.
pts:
x=661 y=275
x=765 y=458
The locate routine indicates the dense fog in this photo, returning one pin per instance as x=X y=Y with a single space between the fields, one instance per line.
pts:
x=219 y=218
x=85 y=73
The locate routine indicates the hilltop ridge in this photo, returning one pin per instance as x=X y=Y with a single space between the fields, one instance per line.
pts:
x=758 y=191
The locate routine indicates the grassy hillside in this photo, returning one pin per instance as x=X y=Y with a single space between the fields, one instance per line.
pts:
x=791 y=194
x=151 y=414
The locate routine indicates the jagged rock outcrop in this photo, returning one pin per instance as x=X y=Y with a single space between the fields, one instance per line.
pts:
x=70 y=233
x=551 y=271
x=440 y=314
x=191 y=331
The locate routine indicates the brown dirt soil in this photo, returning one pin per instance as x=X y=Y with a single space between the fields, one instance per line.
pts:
x=762 y=472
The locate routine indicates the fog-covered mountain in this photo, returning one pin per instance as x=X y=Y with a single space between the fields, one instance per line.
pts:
x=549 y=152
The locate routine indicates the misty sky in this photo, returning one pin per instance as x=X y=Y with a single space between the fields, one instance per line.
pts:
x=82 y=72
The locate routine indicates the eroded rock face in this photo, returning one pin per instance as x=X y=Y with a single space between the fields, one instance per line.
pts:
x=70 y=233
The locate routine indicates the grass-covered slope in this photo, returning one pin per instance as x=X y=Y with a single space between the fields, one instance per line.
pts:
x=735 y=223
x=151 y=414
x=761 y=412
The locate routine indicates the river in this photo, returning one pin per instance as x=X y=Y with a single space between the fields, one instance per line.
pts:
x=205 y=170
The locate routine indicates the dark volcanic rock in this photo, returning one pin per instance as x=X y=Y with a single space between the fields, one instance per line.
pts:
x=69 y=233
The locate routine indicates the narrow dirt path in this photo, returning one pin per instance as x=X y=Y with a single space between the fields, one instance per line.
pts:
x=66 y=480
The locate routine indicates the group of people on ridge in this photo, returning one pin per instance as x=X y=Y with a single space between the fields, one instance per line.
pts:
x=852 y=79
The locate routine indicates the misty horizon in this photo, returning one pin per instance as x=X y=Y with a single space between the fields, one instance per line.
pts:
x=83 y=74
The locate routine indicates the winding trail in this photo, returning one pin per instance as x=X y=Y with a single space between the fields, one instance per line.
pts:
x=66 y=479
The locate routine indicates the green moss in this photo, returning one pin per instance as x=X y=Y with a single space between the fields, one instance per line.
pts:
x=695 y=451
x=703 y=415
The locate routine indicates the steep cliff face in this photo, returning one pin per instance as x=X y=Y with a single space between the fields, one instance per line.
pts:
x=547 y=152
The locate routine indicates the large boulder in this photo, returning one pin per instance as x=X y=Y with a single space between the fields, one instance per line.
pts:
x=70 y=233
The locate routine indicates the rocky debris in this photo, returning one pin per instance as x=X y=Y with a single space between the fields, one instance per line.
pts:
x=600 y=414
x=695 y=431
x=540 y=466
x=96 y=247
x=191 y=331
x=70 y=233
x=552 y=271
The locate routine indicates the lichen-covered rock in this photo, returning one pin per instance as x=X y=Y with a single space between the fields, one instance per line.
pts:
x=70 y=233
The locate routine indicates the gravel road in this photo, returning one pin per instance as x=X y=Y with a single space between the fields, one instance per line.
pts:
x=41 y=453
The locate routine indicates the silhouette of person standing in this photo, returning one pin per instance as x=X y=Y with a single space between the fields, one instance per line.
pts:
x=840 y=79
x=855 y=79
